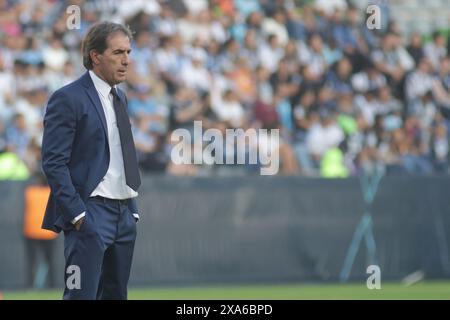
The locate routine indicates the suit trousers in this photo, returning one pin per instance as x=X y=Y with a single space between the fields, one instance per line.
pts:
x=99 y=255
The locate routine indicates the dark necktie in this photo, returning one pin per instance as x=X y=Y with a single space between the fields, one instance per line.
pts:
x=126 y=141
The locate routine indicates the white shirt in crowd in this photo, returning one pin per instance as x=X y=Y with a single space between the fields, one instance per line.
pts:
x=55 y=58
x=270 y=57
x=196 y=6
x=368 y=107
x=417 y=84
x=320 y=138
x=195 y=77
x=362 y=82
x=271 y=26
x=434 y=53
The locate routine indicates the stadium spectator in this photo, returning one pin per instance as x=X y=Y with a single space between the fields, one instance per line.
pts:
x=415 y=47
x=436 y=50
x=17 y=136
x=323 y=135
x=439 y=147
x=39 y=243
x=11 y=166
x=260 y=63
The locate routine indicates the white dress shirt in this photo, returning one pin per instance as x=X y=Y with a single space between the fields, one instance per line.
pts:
x=113 y=185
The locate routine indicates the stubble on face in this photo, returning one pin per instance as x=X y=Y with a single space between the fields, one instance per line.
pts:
x=114 y=61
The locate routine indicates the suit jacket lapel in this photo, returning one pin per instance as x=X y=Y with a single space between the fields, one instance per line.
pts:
x=93 y=95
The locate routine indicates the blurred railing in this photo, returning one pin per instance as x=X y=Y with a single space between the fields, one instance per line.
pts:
x=266 y=229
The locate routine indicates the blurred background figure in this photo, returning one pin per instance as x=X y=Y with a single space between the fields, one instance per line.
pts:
x=39 y=243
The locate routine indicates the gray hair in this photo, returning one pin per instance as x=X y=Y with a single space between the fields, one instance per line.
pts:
x=96 y=39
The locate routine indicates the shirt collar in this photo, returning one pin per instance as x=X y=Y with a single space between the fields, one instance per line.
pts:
x=100 y=85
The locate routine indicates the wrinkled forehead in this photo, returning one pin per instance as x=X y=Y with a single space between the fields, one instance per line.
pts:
x=118 y=41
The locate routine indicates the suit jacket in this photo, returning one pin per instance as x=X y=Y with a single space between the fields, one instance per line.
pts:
x=75 y=151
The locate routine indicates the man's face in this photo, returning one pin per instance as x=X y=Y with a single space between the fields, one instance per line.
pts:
x=112 y=64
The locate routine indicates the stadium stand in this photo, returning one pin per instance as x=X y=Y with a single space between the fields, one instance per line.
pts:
x=359 y=98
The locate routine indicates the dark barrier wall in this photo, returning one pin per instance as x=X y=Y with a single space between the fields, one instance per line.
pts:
x=275 y=229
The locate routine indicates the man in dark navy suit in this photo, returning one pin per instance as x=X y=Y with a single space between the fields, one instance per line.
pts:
x=89 y=159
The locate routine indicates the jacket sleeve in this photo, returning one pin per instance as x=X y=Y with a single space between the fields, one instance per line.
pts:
x=59 y=134
x=132 y=205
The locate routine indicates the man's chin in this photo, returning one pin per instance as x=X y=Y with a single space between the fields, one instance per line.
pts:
x=120 y=79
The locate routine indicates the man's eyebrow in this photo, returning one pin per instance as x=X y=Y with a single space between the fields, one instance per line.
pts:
x=121 y=50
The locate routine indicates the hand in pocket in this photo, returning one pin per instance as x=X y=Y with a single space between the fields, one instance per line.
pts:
x=79 y=223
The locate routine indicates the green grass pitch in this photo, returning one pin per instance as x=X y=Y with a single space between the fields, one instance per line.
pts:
x=354 y=291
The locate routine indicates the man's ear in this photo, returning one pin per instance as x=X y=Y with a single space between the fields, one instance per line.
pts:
x=94 y=57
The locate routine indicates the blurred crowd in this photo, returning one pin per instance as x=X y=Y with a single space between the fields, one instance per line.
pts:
x=345 y=98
